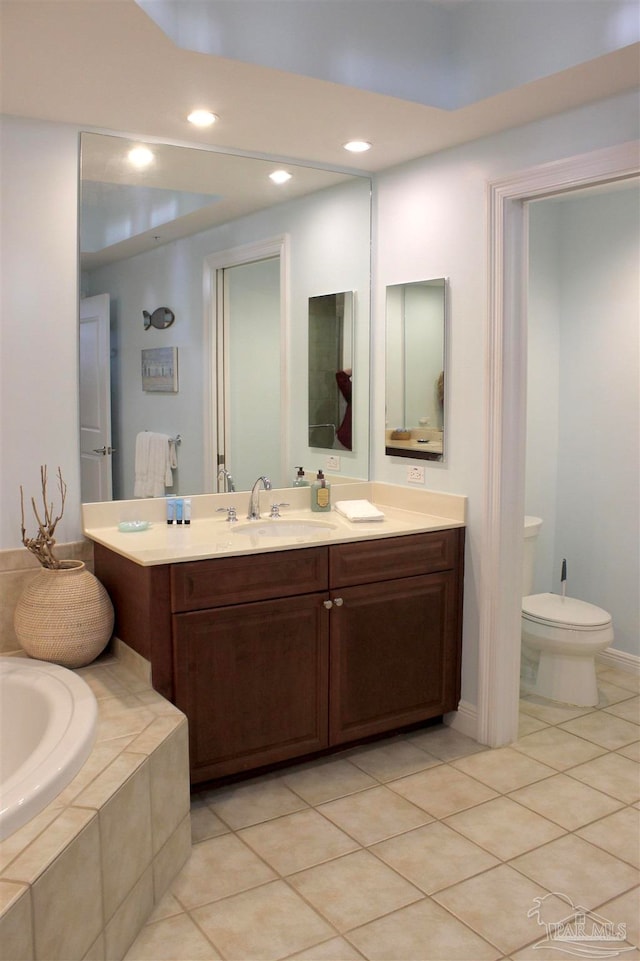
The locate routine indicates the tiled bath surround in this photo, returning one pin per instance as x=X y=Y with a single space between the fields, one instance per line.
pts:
x=81 y=878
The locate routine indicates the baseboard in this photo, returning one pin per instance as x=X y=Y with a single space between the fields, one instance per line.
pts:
x=464 y=720
x=619 y=660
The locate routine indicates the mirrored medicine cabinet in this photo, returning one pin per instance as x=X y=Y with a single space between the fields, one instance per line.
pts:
x=416 y=326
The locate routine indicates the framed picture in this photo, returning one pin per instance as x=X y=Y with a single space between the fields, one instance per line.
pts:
x=160 y=369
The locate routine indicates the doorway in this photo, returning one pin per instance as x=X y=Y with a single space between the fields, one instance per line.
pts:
x=246 y=327
x=505 y=418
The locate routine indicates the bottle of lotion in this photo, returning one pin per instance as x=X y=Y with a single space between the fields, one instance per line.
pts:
x=320 y=494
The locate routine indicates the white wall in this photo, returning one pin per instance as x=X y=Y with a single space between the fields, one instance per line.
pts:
x=429 y=222
x=587 y=480
x=39 y=320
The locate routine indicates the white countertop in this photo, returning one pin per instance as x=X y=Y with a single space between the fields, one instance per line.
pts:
x=211 y=535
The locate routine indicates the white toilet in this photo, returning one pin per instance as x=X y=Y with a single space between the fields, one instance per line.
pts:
x=560 y=636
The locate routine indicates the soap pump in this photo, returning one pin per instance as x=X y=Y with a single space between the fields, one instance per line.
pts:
x=320 y=494
x=300 y=480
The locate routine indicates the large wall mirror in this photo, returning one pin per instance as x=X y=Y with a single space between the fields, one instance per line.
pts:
x=415 y=369
x=200 y=267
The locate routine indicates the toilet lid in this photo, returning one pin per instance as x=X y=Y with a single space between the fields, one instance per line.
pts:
x=565 y=611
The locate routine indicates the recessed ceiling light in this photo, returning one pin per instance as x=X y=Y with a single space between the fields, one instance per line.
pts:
x=280 y=176
x=202 y=118
x=357 y=146
x=140 y=157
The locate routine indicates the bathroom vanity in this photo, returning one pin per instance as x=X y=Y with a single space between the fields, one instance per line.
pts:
x=278 y=652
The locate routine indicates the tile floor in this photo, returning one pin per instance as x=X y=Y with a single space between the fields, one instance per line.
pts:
x=425 y=847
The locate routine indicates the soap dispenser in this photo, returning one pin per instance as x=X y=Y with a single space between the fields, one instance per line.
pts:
x=320 y=494
x=300 y=480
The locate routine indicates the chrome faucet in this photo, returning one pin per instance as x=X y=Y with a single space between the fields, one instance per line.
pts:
x=254 y=500
x=228 y=487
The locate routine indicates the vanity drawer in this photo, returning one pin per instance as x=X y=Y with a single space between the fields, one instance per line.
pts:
x=198 y=585
x=364 y=562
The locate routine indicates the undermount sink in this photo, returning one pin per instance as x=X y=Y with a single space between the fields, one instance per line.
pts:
x=283 y=528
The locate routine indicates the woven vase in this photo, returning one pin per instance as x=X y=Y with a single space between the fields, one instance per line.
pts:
x=64 y=615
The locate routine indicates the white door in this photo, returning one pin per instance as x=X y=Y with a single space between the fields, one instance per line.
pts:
x=95 y=400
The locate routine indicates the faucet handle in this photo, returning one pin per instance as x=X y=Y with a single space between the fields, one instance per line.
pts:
x=275 y=508
x=231 y=513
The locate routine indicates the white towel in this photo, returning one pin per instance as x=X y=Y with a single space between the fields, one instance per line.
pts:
x=360 y=510
x=153 y=464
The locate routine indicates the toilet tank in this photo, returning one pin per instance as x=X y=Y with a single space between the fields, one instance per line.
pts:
x=532 y=527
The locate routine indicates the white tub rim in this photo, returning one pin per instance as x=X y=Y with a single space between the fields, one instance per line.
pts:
x=62 y=751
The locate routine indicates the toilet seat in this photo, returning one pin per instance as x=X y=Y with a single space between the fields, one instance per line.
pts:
x=555 y=611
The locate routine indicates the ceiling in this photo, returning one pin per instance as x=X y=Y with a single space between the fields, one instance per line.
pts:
x=105 y=64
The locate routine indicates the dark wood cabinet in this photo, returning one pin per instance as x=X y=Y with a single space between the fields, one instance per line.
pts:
x=252 y=679
x=279 y=655
x=391 y=657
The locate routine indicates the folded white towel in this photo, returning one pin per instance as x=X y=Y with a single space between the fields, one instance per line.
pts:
x=360 y=510
x=153 y=464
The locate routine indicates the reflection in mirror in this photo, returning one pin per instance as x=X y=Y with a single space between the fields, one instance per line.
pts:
x=415 y=381
x=158 y=238
x=331 y=333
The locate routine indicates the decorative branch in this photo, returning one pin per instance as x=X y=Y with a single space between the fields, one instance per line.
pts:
x=42 y=545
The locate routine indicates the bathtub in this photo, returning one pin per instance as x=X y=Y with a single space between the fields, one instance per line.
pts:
x=47 y=730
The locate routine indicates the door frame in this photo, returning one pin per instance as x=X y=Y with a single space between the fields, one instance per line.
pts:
x=213 y=339
x=504 y=419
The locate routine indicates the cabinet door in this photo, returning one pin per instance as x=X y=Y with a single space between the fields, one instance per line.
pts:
x=395 y=649
x=252 y=680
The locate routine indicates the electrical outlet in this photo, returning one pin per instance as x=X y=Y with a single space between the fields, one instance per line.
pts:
x=415 y=475
x=332 y=462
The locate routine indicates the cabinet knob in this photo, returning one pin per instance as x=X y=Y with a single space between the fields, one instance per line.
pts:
x=338 y=601
x=328 y=604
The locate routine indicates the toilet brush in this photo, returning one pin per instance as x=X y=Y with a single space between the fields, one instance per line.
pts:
x=563 y=577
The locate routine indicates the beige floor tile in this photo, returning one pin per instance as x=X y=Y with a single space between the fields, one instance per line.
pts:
x=631 y=682
x=442 y=790
x=445 y=743
x=528 y=724
x=204 y=823
x=504 y=769
x=628 y=709
x=167 y=907
x=373 y=815
x=495 y=905
x=504 y=828
x=611 y=694
x=251 y=802
x=625 y=910
x=612 y=774
x=326 y=780
x=424 y=930
x=354 y=889
x=550 y=711
x=268 y=922
x=631 y=751
x=604 y=729
x=619 y=834
x=582 y=872
x=566 y=801
x=391 y=759
x=434 y=857
x=558 y=748
x=297 y=841
x=173 y=939
x=337 y=949
x=217 y=868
